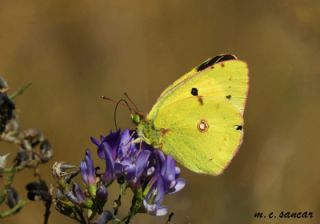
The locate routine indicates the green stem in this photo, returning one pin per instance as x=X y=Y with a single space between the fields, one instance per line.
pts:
x=135 y=206
x=118 y=204
x=4 y=193
x=13 y=210
x=82 y=219
x=122 y=191
x=8 y=184
x=20 y=91
x=12 y=170
x=10 y=177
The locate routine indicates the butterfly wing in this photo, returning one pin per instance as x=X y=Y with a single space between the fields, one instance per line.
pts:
x=202 y=114
x=227 y=79
x=203 y=139
x=202 y=66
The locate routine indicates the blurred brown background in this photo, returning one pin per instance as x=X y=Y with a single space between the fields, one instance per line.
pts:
x=75 y=51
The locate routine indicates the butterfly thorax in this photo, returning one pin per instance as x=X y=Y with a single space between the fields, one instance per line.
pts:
x=149 y=133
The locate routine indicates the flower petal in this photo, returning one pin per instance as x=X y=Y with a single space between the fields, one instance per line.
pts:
x=179 y=185
x=95 y=141
x=101 y=195
x=87 y=170
x=161 y=211
x=142 y=162
x=78 y=193
x=124 y=144
x=109 y=172
x=154 y=209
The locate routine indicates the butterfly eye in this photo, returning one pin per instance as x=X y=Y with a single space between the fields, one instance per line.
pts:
x=238 y=127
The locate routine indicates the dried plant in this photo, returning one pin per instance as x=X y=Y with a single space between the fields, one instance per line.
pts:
x=32 y=150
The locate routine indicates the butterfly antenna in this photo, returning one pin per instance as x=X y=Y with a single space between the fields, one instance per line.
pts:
x=118 y=103
x=109 y=99
x=131 y=101
x=116 y=108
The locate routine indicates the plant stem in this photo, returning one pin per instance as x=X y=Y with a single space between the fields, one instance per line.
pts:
x=8 y=184
x=47 y=212
x=170 y=218
x=80 y=213
x=135 y=206
x=122 y=191
x=13 y=210
x=20 y=91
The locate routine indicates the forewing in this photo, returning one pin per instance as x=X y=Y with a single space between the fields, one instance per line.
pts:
x=223 y=80
x=209 y=62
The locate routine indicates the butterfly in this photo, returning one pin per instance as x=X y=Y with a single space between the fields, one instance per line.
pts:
x=198 y=119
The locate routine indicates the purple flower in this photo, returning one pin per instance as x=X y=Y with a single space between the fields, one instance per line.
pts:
x=88 y=173
x=143 y=167
x=101 y=196
x=165 y=180
x=122 y=157
x=153 y=196
x=148 y=172
x=77 y=196
x=87 y=170
x=170 y=174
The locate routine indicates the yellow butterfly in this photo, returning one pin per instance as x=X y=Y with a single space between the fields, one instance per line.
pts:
x=199 y=118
